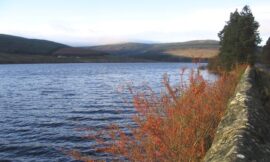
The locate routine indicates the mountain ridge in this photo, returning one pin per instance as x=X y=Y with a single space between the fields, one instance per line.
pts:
x=14 y=49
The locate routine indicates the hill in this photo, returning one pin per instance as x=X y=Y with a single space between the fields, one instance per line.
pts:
x=79 y=52
x=14 y=44
x=15 y=49
x=190 y=49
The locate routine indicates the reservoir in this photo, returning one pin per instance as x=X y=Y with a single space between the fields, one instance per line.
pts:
x=45 y=108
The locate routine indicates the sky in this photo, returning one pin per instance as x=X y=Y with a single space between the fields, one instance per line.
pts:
x=95 y=22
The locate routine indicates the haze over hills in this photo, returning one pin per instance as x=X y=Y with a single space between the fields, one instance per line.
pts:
x=15 y=49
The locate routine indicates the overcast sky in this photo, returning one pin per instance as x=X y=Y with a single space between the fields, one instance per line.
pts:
x=89 y=22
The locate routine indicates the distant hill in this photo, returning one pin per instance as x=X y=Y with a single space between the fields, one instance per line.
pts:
x=20 y=45
x=123 y=49
x=79 y=52
x=15 y=49
x=190 y=49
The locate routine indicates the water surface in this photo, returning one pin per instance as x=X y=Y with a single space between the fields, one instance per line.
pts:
x=42 y=106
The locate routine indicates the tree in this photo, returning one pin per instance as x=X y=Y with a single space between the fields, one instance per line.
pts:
x=266 y=51
x=239 y=39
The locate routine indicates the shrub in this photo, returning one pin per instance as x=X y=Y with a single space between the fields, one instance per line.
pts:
x=177 y=126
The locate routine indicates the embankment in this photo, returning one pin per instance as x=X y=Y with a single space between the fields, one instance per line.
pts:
x=244 y=132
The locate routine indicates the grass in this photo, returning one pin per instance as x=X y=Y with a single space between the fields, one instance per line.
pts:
x=177 y=126
x=194 y=53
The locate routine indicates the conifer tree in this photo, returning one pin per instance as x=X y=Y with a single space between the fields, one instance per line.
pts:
x=266 y=51
x=239 y=39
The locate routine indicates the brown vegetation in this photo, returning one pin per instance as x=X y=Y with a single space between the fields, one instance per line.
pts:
x=194 y=53
x=177 y=126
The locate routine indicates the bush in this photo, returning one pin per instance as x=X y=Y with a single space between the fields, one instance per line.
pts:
x=177 y=126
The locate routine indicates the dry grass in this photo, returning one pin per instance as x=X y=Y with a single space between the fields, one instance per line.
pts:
x=194 y=53
x=178 y=126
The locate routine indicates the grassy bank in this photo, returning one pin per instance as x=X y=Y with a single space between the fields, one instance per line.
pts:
x=177 y=126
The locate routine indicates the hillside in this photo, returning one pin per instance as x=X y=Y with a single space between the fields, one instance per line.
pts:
x=15 y=49
x=190 y=49
x=123 y=49
x=79 y=52
x=14 y=44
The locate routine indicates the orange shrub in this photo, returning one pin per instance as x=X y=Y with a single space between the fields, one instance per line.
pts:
x=177 y=126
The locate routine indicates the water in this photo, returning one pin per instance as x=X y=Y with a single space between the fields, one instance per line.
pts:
x=44 y=106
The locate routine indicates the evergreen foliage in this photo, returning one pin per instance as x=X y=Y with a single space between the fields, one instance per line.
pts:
x=239 y=39
x=266 y=51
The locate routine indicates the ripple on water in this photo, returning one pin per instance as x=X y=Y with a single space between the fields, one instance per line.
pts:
x=45 y=108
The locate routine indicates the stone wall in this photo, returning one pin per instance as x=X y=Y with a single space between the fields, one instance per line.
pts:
x=244 y=131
